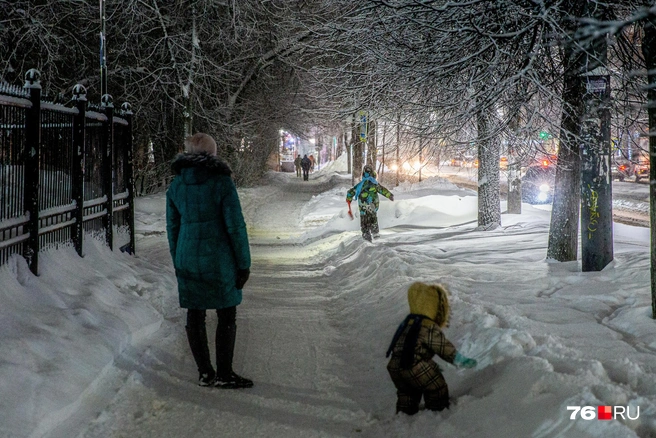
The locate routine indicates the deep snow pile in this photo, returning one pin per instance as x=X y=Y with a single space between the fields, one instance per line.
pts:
x=61 y=331
x=94 y=346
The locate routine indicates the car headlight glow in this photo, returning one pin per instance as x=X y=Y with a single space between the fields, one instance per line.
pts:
x=544 y=188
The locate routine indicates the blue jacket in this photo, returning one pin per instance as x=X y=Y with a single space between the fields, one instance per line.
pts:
x=206 y=232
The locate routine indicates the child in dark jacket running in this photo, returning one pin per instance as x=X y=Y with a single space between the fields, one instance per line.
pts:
x=417 y=340
x=366 y=192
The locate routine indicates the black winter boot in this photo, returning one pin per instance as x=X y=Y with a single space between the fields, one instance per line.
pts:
x=197 y=337
x=225 y=347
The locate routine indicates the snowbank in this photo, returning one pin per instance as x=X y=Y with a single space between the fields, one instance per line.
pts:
x=63 y=329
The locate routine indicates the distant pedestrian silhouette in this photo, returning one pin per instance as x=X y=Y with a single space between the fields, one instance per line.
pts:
x=306 y=164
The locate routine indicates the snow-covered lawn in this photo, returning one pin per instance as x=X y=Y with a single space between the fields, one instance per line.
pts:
x=95 y=347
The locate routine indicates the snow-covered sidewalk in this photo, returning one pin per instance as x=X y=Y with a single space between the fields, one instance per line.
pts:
x=95 y=347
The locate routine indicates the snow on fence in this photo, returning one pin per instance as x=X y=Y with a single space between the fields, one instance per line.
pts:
x=71 y=166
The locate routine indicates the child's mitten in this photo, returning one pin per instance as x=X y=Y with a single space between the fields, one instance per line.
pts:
x=464 y=362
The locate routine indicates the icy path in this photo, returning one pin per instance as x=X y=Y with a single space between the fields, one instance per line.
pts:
x=286 y=344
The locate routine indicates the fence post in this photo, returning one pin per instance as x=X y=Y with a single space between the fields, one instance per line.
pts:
x=79 y=127
x=108 y=168
x=127 y=172
x=31 y=163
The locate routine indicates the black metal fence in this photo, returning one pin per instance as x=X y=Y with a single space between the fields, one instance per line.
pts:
x=64 y=173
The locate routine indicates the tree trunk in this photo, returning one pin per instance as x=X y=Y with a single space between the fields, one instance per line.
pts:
x=349 y=149
x=372 y=147
x=382 y=164
x=514 y=171
x=341 y=141
x=649 y=52
x=489 y=207
x=358 y=146
x=564 y=227
x=421 y=151
x=398 y=148
x=514 y=189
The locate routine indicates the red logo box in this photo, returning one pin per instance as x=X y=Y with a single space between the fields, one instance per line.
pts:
x=604 y=412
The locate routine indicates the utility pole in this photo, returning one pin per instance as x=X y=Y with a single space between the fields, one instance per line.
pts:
x=596 y=190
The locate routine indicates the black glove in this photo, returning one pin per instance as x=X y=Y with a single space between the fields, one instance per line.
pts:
x=242 y=277
x=391 y=198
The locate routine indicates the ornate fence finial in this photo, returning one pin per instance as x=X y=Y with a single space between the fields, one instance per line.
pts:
x=126 y=108
x=32 y=79
x=79 y=93
x=106 y=101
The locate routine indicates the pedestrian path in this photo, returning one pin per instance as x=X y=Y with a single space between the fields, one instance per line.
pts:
x=286 y=342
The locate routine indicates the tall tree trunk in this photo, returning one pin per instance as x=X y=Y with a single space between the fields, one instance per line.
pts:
x=372 y=147
x=358 y=146
x=341 y=141
x=349 y=149
x=514 y=171
x=649 y=52
x=382 y=164
x=489 y=207
x=564 y=227
x=420 y=153
x=398 y=148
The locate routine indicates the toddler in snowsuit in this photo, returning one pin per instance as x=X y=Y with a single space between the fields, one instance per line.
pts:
x=417 y=340
x=366 y=192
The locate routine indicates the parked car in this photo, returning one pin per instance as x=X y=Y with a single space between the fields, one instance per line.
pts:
x=469 y=161
x=457 y=162
x=641 y=170
x=621 y=169
x=538 y=184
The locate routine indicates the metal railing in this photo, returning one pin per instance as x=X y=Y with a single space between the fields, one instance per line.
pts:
x=64 y=172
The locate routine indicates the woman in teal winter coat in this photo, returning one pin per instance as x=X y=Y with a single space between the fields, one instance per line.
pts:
x=210 y=251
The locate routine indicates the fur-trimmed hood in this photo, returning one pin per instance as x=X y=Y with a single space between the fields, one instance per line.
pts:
x=431 y=301
x=197 y=168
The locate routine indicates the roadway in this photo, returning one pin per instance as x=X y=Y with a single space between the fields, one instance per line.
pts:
x=630 y=199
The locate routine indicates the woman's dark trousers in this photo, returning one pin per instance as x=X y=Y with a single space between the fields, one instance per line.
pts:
x=226 y=331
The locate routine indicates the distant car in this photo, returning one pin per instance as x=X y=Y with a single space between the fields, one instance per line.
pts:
x=457 y=162
x=469 y=161
x=621 y=169
x=538 y=184
x=503 y=163
x=641 y=170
